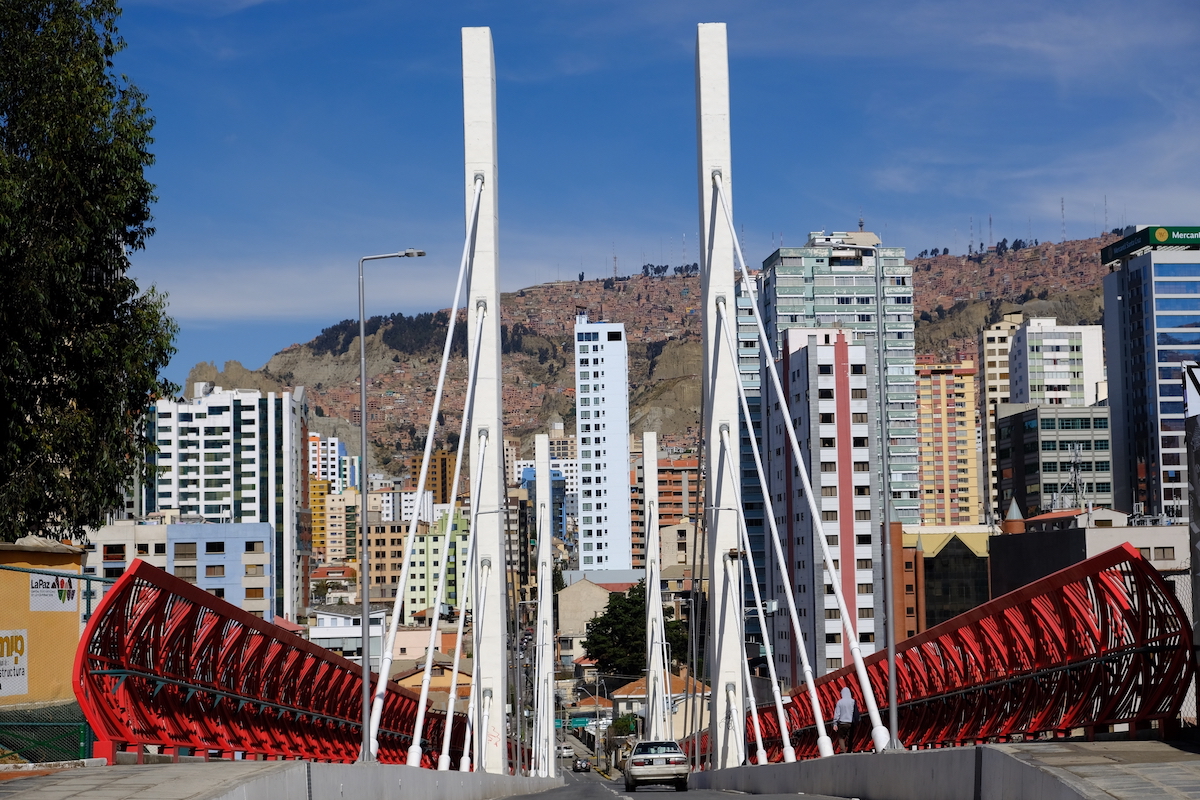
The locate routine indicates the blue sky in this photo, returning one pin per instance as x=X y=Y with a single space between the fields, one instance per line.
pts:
x=294 y=136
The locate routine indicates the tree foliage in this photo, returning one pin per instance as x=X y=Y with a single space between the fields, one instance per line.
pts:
x=82 y=344
x=617 y=638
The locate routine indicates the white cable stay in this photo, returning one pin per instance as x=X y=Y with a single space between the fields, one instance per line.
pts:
x=476 y=600
x=824 y=743
x=468 y=559
x=483 y=573
x=414 y=750
x=879 y=732
x=784 y=731
x=397 y=607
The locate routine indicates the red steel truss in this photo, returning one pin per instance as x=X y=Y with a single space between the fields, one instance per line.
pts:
x=1102 y=642
x=163 y=662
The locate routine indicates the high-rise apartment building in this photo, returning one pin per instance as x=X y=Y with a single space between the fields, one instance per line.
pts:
x=832 y=281
x=325 y=460
x=1152 y=329
x=435 y=542
x=440 y=477
x=341 y=526
x=241 y=456
x=1057 y=364
x=831 y=384
x=994 y=343
x=949 y=458
x=602 y=423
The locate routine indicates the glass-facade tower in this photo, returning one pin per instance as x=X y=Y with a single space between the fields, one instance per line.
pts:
x=1151 y=331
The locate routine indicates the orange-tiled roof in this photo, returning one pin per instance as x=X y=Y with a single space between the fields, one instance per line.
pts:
x=678 y=686
x=1068 y=512
x=616 y=587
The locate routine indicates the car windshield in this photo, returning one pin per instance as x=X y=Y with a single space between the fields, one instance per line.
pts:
x=656 y=749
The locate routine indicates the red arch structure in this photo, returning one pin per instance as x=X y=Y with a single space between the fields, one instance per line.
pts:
x=163 y=662
x=1102 y=642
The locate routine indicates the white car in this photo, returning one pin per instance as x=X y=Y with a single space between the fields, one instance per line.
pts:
x=565 y=751
x=662 y=763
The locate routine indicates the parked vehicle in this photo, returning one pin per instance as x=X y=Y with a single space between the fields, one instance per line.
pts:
x=582 y=765
x=656 y=763
x=565 y=751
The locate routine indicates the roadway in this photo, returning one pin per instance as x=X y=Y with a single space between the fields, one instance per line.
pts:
x=593 y=785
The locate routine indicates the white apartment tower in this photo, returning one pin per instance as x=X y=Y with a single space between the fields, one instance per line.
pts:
x=324 y=461
x=831 y=383
x=602 y=429
x=241 y=456
x=1057 y=364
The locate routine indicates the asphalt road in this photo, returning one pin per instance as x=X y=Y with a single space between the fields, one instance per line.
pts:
x=594 y=786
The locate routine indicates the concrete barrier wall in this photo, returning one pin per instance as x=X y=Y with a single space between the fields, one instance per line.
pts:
x=961 y=773
x=305 y=781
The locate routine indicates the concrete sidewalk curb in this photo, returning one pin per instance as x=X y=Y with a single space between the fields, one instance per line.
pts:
x=74 y=764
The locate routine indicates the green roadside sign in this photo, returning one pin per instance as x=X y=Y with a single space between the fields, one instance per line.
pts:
x=580 y=722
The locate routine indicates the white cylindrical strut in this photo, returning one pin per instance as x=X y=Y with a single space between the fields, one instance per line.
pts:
x=658 y=676
x=879 y=732
x=544 y=755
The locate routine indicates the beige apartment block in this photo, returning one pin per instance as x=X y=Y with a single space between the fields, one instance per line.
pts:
x=994 y=343
x=949 y=471
x=318 y=492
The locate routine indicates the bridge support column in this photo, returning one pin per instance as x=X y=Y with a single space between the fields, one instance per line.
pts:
x=490 y=615
x=726 y=632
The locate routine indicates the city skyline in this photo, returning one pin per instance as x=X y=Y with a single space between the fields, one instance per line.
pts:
x=293 y=138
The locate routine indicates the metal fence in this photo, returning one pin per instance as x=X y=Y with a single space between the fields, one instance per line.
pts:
x=51 y=732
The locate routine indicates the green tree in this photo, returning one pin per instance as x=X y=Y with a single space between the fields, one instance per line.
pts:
x=617 y=638
x=82 y=345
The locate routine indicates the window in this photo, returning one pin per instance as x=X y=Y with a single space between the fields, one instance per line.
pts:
x=825 y=394
x=858 y=369
x=866 y=588
x=829 y=516
x=143 y=549
x=186 y=574
x=186 y=550
x=866 y=637
x=832 y=613
x=214 y=571
x=1164 y=554
x=833 y=663
x=114 y=552
x=829 y=491
x=113 y=572
x=828 y=466
x=858 y=394
x=859 y=441
x=254 y=570
x=862 y=491
x=833 y=638
x=866 y=613
x=214 y=547
x=859 y=418
x=862 y=466
x=254 y=593
x=160 y=548
x=826 y=418
x=862 y=513
x=828 y=441
x=825 y=369
x=254 y=547
x=863 y=563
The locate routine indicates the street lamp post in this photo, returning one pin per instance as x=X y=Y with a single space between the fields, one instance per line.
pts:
x=364 y=562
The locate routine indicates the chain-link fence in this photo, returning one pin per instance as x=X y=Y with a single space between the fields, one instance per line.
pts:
x=1181 y=582
x=51 y=731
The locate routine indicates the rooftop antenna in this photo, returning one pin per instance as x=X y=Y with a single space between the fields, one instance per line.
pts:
x=991 y=241
x=614 y=245
x=860 y=218
x=685 y=248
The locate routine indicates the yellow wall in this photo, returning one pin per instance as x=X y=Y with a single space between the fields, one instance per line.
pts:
x=39 y=626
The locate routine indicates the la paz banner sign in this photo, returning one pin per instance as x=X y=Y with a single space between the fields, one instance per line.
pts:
x=1152 y=236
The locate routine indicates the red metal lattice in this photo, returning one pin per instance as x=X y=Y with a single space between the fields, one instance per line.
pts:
x=163 y=662
x=1102 y=642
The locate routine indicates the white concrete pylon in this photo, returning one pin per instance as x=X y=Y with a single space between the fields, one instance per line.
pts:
x=720 y=406
x=658 y=677
x=490 y=621
x=543 y=737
